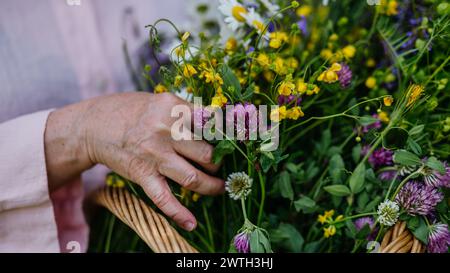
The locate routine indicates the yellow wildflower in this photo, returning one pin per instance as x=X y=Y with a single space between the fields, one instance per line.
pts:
x=312 y=89
x=329 y=213
x=160 y=89
x=185 y=36
x=268 y=75
x=349 y=51
x=388 y=101
x=195 y=197
x=329 y=231
x=321 y=219
x=330 y=75
x=304 y=10
x=295 y=113
x=211 y=76
x=384 y=117
x=414 y=92
x=301 y=86
x=334 y=37
x=190 y=90
x=339 y=218
x=326 y=54
x=263 y=60
x=277 y=39
x=278 y=114
x=370 y=62
x=189 y=71
x=292 y=62
x=230 y=45
x=286 y=88
x=279 y=66
x=115 y=182
x=180 y=51
x=371 y=82
x=392 y=8
x=219 y=100
x=178 y=81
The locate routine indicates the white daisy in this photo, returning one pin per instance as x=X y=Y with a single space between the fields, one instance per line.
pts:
x=272 y=8
x=255 y=20
x=234 y=13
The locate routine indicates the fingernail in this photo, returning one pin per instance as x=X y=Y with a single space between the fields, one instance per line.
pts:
x=189 y=226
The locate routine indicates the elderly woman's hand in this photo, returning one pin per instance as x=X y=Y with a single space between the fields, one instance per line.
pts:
x=131 y=134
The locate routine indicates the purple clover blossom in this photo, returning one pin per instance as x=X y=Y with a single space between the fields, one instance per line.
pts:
x=379 y=158
x=201 y=117
x=289 y=100
x=361 y=222
x=437 y=179
x=242 y=242
x=417 y=198
x=244 y=119
x=345 y=75
x=439 y=238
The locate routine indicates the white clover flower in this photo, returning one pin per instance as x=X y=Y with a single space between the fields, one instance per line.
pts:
x=238 y=185
x=388 y=213
x=234 y=13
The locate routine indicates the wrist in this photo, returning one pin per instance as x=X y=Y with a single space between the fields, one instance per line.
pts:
x=65 y=145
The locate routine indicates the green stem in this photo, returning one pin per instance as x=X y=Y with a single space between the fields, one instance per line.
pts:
x=208 y=226
x=404 y=182
x=244 y=211
x=353 y=217
x=263 y=197
x=112 y=221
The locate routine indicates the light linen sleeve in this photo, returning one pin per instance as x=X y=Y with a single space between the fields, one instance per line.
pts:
x=27 y=221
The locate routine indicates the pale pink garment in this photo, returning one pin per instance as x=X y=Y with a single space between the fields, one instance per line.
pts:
x=53 y=54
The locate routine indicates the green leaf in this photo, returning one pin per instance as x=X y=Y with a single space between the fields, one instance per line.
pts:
x=306 y=204
x=338 y=190
x=356 y=153
x=421 y=232
x=413 y=223
x=248 y=92
x=230 y=81
x=288 y=237
x=357 y=179
x=285 y=186
x=416 y=130
x=395 y=138
x=259 y=242
x=336 y=168
x=312 y=247
x=222 y=149
x=414 y=146
x=406 y=158
x=435 y=164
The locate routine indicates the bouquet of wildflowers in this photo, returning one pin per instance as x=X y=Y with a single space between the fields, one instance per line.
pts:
x=330 y=119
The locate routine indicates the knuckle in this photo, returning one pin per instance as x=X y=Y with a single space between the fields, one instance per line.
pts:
x=161 y=199
x=135 y=166
x=190 y=181
x=206 y=154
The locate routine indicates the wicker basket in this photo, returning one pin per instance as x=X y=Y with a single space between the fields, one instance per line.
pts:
x=398 y=239
x=161 y=237
x=152 y=227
